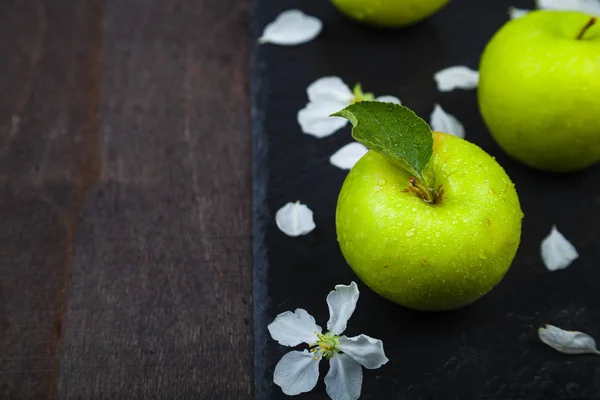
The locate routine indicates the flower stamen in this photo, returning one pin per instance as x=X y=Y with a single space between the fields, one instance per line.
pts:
x=325 y=346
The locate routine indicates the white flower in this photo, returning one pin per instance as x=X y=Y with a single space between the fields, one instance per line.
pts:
x=327 y=96
x=295 y=219
x=290 y=28
x=557 y=252
x=347 y=156
x=568 y=342
x=298 y=371
x=458 y=77
x=441 y=121
x=586 y=6
x=514 y=12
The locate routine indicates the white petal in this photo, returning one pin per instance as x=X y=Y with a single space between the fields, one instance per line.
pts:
x=587 y=6
x=364 y=349
x=344 y=379
x=291 y=329
x=297 y=372
x=315 y=120
x=290 y=28
x=388 y=99
x=329 y=89
x=295 y=219
x=341 y=303
x=557 y=251
x=347 y=156
x=514 y=12
x=569 y=342
x=441 y=121
x=458 y=77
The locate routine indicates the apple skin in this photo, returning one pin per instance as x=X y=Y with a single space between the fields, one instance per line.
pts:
x=430 y=256
x=539 y=90
x=389 y=13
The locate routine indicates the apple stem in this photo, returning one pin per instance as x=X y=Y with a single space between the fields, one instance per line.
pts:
x=420 y=190
x=587 y=26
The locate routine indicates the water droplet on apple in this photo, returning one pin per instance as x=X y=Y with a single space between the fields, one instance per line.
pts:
x=410 y=232
x=483 y=256
x=413 y=209
x=381 y=182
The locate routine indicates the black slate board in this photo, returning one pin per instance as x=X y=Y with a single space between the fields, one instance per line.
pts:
x=489 y=350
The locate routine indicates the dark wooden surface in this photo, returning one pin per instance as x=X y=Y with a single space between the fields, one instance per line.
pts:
x=125 y=253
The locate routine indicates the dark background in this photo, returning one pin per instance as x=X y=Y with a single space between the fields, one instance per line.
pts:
x=489 y=350
x=125 y=200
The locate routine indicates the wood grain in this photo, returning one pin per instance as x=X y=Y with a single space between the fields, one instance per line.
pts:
x=125 y=200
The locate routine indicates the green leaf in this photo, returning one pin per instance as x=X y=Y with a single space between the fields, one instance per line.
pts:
x=393 y=131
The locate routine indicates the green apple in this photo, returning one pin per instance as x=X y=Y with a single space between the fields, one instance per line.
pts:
x=429 y=249
x=539 y=89
x=389 y=13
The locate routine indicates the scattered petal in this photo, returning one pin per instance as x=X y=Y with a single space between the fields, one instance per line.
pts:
x=365 y=350
x=557 y=251
x=515 y=13
x=295 y=219
x=290 y=28
x=458 y=77
x=341 y=303
x=329 y=89
x=344 y=379
x=297 y=372
x=569 y=342
x=347 y=156
x=315 y=120
x=291 y=329
x=586 y=6
x=441 y=121
x=388 y=99
x=326 y=96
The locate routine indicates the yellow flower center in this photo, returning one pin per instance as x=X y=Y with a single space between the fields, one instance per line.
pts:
x=325 y=346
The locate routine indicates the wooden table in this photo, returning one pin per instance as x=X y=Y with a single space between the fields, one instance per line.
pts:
x=125 y=197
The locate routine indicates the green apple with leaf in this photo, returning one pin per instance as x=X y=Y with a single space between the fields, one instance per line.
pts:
x=425 y=219
x=539 y=89
x=389 y=13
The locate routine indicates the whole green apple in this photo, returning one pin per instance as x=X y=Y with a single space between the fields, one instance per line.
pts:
x=429 y=251
x=539 y=89
x=389 y=13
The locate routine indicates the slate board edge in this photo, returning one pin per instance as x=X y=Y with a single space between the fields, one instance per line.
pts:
x=260 y=211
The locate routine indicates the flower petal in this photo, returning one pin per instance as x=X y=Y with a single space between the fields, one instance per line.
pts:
x=458 y=77
x=297 y=372
x=557 y=251
x=344 y=379
x=441 y=121
x=330 y=89
x=364 y=349
x=315 y=120
x=515 y=13
x=292 y=328
x=290 y=28
x=347 y=156
x=569 y=342
x=586 y=6
x=295 y=219
x=341 y=303
x=388 y=99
